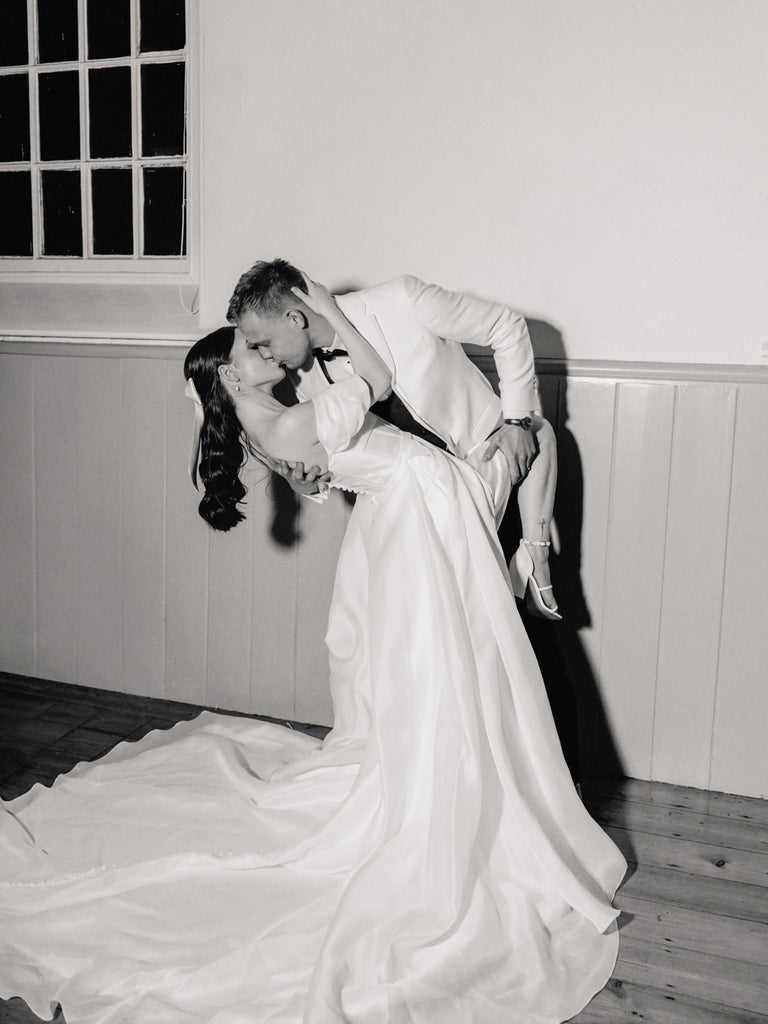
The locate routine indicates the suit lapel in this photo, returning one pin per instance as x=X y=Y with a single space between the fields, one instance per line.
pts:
x=355 y=310
x=417 y=396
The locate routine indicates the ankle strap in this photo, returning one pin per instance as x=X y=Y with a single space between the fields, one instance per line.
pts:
x=538 y=543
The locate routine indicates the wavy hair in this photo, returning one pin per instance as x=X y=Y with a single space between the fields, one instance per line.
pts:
x=222 y=444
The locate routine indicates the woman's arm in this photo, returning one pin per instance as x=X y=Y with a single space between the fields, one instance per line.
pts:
x=365 y=361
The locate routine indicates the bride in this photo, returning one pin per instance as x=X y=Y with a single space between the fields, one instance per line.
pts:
x=428 y=863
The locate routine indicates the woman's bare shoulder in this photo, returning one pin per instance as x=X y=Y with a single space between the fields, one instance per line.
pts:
x=293 y=435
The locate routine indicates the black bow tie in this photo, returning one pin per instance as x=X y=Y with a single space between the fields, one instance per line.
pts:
x=325 y=355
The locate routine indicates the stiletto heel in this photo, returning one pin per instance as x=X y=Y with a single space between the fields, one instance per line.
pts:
x=524 y=585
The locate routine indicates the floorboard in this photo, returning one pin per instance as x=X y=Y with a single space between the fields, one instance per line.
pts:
x=680 y=823
x=675 y=854
x=713 y=934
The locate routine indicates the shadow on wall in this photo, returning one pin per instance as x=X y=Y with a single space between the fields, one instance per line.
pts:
x=284 y=529
x=571 y=681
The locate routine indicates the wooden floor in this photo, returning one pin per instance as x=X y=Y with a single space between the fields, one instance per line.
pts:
x=694 y=905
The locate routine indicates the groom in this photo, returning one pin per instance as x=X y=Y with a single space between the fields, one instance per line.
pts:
x=418 y=330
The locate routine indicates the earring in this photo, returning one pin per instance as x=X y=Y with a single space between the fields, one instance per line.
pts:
x=237 y=387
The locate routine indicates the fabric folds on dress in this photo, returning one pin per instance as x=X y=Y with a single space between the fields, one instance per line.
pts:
x=430 y=861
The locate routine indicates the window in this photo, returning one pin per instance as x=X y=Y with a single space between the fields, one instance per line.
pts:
x=93 y=135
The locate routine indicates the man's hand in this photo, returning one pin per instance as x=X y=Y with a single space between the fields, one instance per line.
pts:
x=519 y=448
x=302 y=481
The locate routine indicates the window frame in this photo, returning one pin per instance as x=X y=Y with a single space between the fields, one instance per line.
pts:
x=111 y=269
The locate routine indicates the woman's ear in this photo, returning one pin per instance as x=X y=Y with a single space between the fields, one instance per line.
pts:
x=229 y=376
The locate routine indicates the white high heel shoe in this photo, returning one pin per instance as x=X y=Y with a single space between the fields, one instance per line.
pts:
x=524 y=585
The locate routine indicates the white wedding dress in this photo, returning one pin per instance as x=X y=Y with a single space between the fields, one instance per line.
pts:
x=428 y=863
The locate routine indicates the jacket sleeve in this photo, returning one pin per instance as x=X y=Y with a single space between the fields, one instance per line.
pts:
x=472 y=321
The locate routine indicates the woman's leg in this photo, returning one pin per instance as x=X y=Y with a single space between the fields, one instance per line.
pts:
x=536 y=500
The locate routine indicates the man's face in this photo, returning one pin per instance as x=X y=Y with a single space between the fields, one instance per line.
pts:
x=283 y=337
x=253 y=367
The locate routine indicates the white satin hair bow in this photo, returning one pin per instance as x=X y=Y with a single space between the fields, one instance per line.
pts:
x=191 y=392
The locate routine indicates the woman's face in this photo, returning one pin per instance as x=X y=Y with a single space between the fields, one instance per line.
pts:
x=252 y=367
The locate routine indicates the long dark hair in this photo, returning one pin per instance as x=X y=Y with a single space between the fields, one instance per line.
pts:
x=222 y=447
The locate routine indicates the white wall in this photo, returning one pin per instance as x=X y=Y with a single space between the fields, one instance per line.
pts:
x=599 y=164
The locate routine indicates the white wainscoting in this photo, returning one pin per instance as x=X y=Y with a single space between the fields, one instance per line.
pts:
x=110 y=579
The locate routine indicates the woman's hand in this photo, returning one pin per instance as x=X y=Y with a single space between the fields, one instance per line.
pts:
x=317 y=297
x=311 y=481
x=366 y=362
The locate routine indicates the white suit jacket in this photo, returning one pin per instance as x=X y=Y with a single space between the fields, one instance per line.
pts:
x=418 y=329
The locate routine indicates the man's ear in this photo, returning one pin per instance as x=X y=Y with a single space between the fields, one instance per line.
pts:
x=297 y=318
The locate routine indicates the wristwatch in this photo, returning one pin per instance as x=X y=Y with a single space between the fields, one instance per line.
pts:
x=525 y=422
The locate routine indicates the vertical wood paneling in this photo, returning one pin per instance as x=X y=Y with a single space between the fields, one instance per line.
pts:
x=323 y=527
x=634 y=568
x=549 y=398
x=186 y=554
x=274 y=583
x=697 y=521
x=230 y=616
x=585 y=444
x=142 y=546
x=99 y=520
x=739 y=761
x=17 y=512
x=56 y=517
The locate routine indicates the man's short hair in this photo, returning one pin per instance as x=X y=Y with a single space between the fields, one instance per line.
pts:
x=265 y=288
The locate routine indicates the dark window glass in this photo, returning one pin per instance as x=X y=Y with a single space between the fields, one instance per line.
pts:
x=161 y=25
x=162 y=109
x=164 y=211
x=13 y=37
x=109 y=28
x=14 y=117
x=109 y=96
x=56 y=30
x=62 y=218
x=59 y=116
x=112 y=202
x=16 y=233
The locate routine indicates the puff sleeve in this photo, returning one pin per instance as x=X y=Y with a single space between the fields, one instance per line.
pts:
x=340 y=411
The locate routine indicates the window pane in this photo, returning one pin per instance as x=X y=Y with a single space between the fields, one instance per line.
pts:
x=109 y=28
x=13 y=38
x=162 y=25
x=162 y=109
x=57 y=30
x=112 y=202
x=14 y=117
x=62 y=220
x=164 y=211
x=109 y=96
x=16 y=193
x=59 y=116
